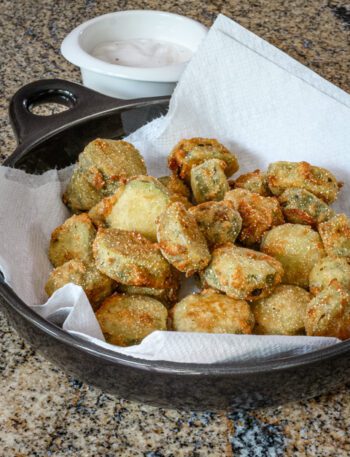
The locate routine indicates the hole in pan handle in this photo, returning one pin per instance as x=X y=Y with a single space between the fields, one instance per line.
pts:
x=81 y=102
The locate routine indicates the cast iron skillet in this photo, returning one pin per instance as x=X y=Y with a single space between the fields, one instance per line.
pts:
x=55 y=141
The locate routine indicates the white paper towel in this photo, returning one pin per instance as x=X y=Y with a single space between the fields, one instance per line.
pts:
x=237 y=88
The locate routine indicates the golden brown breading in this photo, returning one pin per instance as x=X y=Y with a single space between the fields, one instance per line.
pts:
x=181 y=241
x=219 y=221
x=96 y=285
x=101 y=167
x=168 y=296
x=191 y=152
x=131 y=259
x=127 y=319
x=242 y=273
x=329 y=268
x=134 y=207
x=297 y=247
x=254 y=181
x=317 y=180
x=335 y=234
x=328 y=314
x=208 y=181
x=259 y=214
x=283 y=312
x=300 y=206
x=72 y=240
x=175 y=185
x=212 y=312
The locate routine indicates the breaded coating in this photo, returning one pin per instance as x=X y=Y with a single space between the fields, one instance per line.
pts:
x=131 y=259
x=328 y=314
x=101 y=167
x=175 y=185
x=168 y=296
x=282 y=313
x=297 y=247
x=208 y=181
x=96 y=285
x=254 y=181
x=181 y=241
x=219 y=222
x=212 y=312
x=329 y=268
x=335 y=234
x=191 y=152
x=317 y=180
x=134 y=207
x=126 y=320
x=72 y=240
x=242 y=273
x=259 y=214
x=300 y=206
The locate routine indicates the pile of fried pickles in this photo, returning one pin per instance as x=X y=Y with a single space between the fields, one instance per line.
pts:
x=269 y=254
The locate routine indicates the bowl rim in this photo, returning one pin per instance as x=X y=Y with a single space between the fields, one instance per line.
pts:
x=74 y=53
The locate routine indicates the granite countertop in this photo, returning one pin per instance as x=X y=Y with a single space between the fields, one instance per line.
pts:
x=47 y=413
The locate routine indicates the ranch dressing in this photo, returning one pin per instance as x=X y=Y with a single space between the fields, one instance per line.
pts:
x=141 y=53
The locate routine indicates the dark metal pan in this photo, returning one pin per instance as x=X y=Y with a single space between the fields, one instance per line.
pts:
x=55 y=141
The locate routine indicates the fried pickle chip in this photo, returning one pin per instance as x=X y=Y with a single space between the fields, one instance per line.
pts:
x=335 y=234
x=134 y=207
x=329 y=268
x=96 y=285
x=297 y=247
x=101 y=167
x=179 y=192
x=259 y=214
x=131 y=259
x=127 y=319
x=283 y=312
x=219 y=221
x=208 y=181
x=72 y=240
x=317 y=180
x=300 y=206
x=181 y=241
x=328 y=314
x=242 y=273
x=212 y=312
x=254 y=181
x=167 y=296
x=192 y=152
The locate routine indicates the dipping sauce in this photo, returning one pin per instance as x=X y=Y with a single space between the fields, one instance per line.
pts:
x=141 y=53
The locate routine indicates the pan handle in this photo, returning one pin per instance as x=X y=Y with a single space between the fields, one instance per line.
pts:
x=81 y=102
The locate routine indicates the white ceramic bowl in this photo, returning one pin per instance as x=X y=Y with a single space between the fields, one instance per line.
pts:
x=124 y=81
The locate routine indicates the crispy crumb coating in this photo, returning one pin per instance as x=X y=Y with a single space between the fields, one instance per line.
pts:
x=219 y=222
x=96 y=285
x=212 y=312
x=300 y=206
x=317 y=180
x=135 y=206
x=179 y=192
x=259 y=214
x=208 y=181
x=282 y=313
x=168 y=296
x=242 y=273
x=328 y=314
x=131 y=259
x=335 y=234
x=297 y=247
x=126 y=320
x=254 y=181
x=181 y=241
x=329 y=268
x=72 y=240
x=191 y=152
x=101 y=167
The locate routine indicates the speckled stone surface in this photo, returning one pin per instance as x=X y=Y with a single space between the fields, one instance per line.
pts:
x=46 y=413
